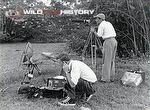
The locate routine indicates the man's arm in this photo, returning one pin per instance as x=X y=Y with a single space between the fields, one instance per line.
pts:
x=99 y=33
x=68 y=75
x=74 y=74
x=96 y=34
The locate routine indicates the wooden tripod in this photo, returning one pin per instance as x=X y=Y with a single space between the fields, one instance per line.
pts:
x=94 y=43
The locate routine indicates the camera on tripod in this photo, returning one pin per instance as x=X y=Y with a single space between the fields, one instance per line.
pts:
x=92 y=40
x=87 y=22
x=81 y=21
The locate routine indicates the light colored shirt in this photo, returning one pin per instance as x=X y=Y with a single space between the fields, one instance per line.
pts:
x=106 y=30
x=79 y=70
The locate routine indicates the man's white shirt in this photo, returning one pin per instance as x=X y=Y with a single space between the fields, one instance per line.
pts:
x=106 y=30
x=81 y=70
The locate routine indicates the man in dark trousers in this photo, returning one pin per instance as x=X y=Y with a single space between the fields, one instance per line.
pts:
x=80 y=80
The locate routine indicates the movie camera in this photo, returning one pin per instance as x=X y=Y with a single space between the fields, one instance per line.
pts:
x=88 y=22
x=80 y=21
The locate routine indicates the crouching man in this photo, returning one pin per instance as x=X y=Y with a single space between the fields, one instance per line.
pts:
x=80 y=80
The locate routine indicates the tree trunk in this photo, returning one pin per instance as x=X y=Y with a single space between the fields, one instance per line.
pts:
x=145 y=25
x=133 y=30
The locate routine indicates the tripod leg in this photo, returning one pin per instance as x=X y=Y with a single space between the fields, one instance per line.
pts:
x=24 y=79
x=86 y=45
x=37 y=68
x=92 y=50
x=25 y=76
x=99 y=43
x=39 y=72
x=95 y=55
x=32 y=69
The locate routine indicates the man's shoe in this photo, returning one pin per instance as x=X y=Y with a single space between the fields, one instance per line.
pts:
x=71 y=102
x=112 y=80
x=102 y=81
x=66 y=100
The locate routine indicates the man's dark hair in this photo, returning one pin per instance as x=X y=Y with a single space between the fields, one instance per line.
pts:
x=63 y=57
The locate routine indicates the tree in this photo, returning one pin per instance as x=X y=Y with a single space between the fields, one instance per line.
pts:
x=130 y=21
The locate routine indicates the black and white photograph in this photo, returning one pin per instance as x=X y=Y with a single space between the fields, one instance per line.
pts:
x=74 y=55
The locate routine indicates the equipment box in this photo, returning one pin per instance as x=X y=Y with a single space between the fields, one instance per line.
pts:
x=133 y=78
x=56 y=82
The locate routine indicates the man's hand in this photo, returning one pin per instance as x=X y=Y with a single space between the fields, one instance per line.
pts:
x=68 y=74
x=66 y=68
x=93 y=31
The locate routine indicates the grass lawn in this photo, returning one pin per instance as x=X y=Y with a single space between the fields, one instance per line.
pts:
x=109 y=96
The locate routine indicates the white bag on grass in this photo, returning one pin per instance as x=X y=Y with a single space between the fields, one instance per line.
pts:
x=131 y=79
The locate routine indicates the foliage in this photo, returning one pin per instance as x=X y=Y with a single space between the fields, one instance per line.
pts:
x=78 y=39
x=47 y=28
x=130 y=18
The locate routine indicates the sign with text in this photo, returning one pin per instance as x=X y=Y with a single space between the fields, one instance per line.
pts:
x=18 y=13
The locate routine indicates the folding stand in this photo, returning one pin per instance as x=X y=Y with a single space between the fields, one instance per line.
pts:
x=94 y=42
x=26 y=59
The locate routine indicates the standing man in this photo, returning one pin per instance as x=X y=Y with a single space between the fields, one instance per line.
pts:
x=80 y=80
x=107 y=32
